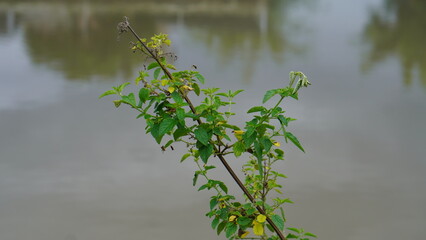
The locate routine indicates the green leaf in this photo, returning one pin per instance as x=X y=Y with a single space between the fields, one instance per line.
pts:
x=221 y=226
x=250 y=211
x=230 y=230
x=278 y=221
x=244 y=221
x=142 y=75
x=180 y=113
x=205 y=152
x=202 y=136
x=204 y=187
x=200 y=77
x=215 y=222
x=223 y=94
x=180 y=132
x=153 y=65
x=129 y=99
x=209 y=167
x=109 y=92
x=258 y=154
x=236 y=93
x=269 y=94
x=270 y=228
x=248 y=141
x=166 y=126
x=267 y=143
x=155 y=133
x=233 y=127
x=294 y=230
x=185 y=156
x=223 y=187
x=196 y=89
x=176 y=97
x=250 y=131
x=311 y=235
x=170 y=65
x=283 y=120
x=238 y=148
x=256 y=109
x=213 y=203
x=290 y=235
x=157 y=73
x=194 y=180
x=294 y=140
x=122 y=86
x=168 y=143
x=144 y=94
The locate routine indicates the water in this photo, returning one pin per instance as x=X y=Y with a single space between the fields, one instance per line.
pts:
x=73 y=167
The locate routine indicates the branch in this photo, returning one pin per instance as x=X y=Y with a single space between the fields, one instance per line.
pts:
x=122 y=28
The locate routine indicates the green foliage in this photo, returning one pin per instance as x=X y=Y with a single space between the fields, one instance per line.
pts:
x=204 y=129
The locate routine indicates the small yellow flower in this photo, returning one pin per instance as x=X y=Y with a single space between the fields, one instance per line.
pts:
x=232 y=218
x=261 y=218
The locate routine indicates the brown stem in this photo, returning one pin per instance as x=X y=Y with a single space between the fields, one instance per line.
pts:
x=221 y=158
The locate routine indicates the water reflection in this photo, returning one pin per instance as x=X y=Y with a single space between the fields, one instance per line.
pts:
x=75 y=40
x=8 y=22
x=398 y=29
x=80 y=39
x=246 y=38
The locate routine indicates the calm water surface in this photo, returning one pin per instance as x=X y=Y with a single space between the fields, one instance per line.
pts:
x=73 y=167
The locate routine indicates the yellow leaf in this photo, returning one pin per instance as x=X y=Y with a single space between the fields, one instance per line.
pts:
x=171 y=89
x=238 y=134
x=187 y=88
x=232 y=218
x=244 y=234
x=164 y=82
x=257 y=228
x=261 y=218
x=221 y=122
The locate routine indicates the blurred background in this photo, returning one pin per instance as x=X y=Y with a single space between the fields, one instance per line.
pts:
x=73 y=167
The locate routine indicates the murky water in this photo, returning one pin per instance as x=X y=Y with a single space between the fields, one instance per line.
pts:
x=73 y=167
